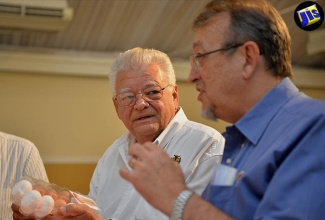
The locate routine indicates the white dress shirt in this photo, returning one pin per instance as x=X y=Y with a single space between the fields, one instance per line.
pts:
x=18 y=157
x=199 y=146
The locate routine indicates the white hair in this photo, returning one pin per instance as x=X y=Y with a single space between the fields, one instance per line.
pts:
x=138 y=58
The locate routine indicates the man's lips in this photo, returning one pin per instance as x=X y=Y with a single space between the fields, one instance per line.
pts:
x=143 y=117
x=201 y=91
x=199 y=87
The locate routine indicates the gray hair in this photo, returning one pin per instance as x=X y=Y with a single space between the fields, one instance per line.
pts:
x=258 y=21
x=139 y=58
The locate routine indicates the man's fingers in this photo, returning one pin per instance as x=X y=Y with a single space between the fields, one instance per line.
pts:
x=79 y=212
x=73 y=209
x=132 y=161
x=149 y=146
x=126 y=174
x=136 y=150
x=16 y=215
x=139 y=149
x=14 y=207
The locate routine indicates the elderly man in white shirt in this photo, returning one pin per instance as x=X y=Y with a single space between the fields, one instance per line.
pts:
x=18 y=157
x=199 y=147
x=146 y=99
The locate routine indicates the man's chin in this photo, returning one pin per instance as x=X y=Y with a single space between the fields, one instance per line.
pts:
x=208 y=114
x=147 y=130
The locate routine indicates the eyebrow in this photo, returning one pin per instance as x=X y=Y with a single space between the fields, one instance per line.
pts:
x=197 y=43
x=200 y=44
x=125 y=90
x=151 y=85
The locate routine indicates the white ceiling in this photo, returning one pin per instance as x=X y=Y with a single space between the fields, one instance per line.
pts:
x=117 y=25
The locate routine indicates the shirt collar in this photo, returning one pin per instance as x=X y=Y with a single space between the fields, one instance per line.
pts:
x=255 y=122
x=174 y=125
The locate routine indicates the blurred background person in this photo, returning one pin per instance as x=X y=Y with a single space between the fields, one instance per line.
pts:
x=18 y=158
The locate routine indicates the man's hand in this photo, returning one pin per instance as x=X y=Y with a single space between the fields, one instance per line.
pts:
x=16 y=215
x=77 y=212
x=155 y=176
x=69 y=211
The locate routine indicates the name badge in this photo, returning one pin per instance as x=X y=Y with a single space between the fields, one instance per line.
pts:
x=224 y=175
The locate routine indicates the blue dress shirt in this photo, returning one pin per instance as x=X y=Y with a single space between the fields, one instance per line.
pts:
x=278 y=149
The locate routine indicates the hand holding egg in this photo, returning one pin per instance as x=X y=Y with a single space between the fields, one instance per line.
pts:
x=37 y=199
x=19 y=190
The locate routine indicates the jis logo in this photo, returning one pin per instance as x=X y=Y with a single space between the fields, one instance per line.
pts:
x=309 y=15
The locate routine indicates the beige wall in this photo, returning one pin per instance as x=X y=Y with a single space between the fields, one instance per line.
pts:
x=68 y=118
x=72 y=121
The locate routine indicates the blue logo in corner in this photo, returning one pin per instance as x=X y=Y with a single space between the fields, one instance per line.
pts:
x=309 y=16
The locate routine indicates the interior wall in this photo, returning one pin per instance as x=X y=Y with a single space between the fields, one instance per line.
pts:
x=72 y=120
x=69 y=118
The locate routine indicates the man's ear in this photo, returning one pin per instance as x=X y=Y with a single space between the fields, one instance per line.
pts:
x=115 y=105
x=175 y=94
x=251 y=53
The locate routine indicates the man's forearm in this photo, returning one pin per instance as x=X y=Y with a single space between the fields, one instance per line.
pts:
x=198 y=209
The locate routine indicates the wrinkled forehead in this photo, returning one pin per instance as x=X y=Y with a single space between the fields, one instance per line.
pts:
x=136 y=80
x=214 y=31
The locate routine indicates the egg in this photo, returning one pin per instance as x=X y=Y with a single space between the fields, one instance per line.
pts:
x=51 y=192
x=40 y=187
x=46 y=207
x=65 y=195
x=31 y=201
x=19 y=190
x=57 y=204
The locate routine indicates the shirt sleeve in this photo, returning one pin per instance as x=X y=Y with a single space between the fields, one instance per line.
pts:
x=34 y=166
x=94 y=182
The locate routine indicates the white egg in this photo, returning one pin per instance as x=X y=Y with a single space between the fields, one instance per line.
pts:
x=45 y=208
x=31 y=201
x=19 y=190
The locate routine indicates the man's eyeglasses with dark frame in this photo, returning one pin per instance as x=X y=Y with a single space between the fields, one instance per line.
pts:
x=194 y=59
x=128 y=99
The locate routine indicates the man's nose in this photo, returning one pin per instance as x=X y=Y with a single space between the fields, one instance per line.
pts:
x=193 y=76
x=140 y=102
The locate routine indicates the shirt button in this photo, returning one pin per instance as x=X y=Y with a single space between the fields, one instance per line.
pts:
x=228 y=161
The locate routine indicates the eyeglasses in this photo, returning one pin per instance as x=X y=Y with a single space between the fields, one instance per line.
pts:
x=194 y=59
x=128 y=99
